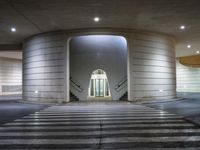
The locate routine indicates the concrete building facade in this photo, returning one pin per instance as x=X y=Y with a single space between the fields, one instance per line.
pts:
x=150 y=65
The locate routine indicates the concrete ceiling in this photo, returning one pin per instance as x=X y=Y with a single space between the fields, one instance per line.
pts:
x=35 y=16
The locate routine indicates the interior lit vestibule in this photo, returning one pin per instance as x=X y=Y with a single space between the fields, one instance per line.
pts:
x=98 y=64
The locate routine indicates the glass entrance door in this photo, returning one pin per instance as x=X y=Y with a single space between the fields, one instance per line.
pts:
x=99 y=87
x=99 y=84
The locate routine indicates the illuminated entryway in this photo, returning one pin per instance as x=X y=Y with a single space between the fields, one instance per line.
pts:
x=99 y=86
x=89 y=53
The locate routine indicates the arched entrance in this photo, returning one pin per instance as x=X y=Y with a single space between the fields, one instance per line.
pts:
x=99 y=86
x=89 y=53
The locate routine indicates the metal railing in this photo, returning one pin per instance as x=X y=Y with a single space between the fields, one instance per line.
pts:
x=121 y=84
x=75 y=84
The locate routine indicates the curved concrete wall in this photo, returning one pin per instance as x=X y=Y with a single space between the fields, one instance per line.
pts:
x=151 y=65
x=44 y=68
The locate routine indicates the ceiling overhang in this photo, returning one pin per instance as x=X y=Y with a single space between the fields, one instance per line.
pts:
x=190 y=61
x=11 y=47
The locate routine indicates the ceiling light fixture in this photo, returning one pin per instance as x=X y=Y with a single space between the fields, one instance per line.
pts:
x=197 y=52
x=188 y=46
x=13 y=29
x=96 y=19
x=182 y=27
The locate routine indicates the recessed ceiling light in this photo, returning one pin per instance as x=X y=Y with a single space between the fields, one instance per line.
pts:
x=188 y=46
x=96 y=19
x=182 y=27
x=13 y=29
x=197 y=52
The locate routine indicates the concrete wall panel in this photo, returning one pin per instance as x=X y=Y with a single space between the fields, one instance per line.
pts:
x=152 y=66
x=10 y=76
x=44 y=67
x=187 y=78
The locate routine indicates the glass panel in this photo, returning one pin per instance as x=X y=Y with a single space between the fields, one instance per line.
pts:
x=92 y=87
x=101 y=86
x=97 y=87
x=106 y=88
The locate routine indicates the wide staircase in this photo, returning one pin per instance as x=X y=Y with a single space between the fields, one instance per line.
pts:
x=113 y=126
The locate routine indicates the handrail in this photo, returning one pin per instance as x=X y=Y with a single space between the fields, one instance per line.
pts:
x=121 y=84
x=75 y=84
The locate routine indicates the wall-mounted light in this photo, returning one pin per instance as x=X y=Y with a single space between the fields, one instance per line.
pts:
x=36 y=92
x=197 y=52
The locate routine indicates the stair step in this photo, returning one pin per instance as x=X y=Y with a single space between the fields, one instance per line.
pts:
x=124 y=97
x=73 y=97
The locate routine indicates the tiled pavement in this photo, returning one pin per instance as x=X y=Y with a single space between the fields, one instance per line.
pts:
x=100 y=126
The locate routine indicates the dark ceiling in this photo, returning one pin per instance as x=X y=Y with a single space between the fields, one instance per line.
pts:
x=31 y=17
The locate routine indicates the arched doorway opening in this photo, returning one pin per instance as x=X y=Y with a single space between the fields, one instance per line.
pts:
x=88 y=53
x=99 y=86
